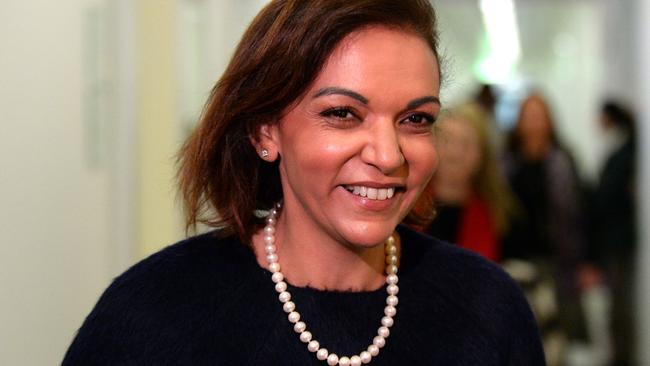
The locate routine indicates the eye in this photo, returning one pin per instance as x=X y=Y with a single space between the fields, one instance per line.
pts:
x=420 y=119
x=341 y=117
x=338 y=113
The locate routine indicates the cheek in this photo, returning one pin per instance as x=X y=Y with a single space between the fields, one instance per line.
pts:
x=313 y=157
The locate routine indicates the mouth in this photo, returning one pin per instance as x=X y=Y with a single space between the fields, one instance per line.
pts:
x=372 y=193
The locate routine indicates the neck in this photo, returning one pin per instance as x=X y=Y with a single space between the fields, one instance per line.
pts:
x=319 y=261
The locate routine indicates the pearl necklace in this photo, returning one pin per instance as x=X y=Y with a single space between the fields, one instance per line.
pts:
x=300 y=327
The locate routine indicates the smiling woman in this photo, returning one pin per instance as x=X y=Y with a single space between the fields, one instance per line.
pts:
x=313 y=147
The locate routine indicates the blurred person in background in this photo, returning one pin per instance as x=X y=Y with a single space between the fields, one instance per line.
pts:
x=613 y=226
x=486 y=98
x=549 y=232
x=472 y=199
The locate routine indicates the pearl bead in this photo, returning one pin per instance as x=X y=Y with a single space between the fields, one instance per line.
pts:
x=281 y=286
x=269 y=239
x=379 y=341
x=387 y=321
x=390 y=241
x=273 y=212
x=284 y=297
x=274 y=267
x=313 y=346
x=305 y=337
x=344 y=361
x=383 y=331
x=355 y=361
x=277 y=277
x=392 y=279
x=332 y=359
x=373 y=350
x=365 y=357
x=391 y=250
x=322 y=354
x=269 y=229
x=300 y=327
x=272 y=258
x=391 y=269
x=390 y=310
x=288 y=306
x=391 y=259
x=392 y=300
x=271 y=220
x=294 y=316
x=270 y=249
x=392 y=289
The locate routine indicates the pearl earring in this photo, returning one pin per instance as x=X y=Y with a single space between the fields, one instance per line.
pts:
x=265 y=153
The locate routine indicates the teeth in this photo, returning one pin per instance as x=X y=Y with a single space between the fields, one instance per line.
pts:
x=372 y=193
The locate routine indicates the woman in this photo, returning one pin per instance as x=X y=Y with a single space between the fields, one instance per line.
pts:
x=313 y=147
x=613 y=226
x=544 y=179
x=473 y=202
x=549 y=231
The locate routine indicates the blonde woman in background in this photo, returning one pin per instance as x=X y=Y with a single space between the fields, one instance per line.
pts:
x=472 y=199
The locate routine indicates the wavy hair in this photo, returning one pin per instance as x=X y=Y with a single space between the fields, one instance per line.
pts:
x=221 y=180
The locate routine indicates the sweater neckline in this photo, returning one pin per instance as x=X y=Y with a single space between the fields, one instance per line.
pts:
x=409 y=263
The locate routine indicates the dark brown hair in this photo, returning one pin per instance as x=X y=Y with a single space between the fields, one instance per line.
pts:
x=514 y=142
x=221 y=179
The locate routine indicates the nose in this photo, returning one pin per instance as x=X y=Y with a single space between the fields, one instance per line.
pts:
x=382 y=148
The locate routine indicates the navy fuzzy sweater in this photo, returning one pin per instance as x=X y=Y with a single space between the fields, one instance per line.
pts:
x=205 y=301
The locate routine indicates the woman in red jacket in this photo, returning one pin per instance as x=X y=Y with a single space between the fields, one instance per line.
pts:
x=473 y=203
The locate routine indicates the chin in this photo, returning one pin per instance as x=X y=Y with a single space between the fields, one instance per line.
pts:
x=369 y=235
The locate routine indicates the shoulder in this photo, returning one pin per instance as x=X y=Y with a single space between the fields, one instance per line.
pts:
x=161 y=299
x=436 y=260
x=560 y=159
x=472 y=296
x=464 y=276
x=195 y=254
x=192 y=264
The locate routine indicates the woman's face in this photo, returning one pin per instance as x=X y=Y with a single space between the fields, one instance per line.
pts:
x=460 y=151
x=357 y=150
x=534 y=128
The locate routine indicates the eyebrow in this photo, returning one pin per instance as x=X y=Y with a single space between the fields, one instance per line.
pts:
x=424 y=100
x=347 y=92
x=354 y=95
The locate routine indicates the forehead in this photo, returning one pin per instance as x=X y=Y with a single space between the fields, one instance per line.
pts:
x=382 y=57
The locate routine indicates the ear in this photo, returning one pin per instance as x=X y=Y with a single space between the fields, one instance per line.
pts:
x=265 y=140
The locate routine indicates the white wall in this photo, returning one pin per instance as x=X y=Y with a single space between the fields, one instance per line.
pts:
x=642 y=40
x=54 y=206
